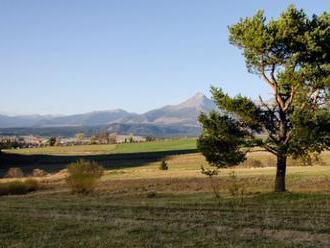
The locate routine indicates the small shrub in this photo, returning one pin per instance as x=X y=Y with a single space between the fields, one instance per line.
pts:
x=31 y=185
x=38 y=173
x=213 y=183
x=208 y=172
x=236 y=188
x=19 y=187
x=83 y=176
x=151 y=194
x=163 y=165
x=14 y=173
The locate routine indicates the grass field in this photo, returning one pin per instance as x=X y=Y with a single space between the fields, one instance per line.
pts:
x=137 y=209
x=155 y=146
x=52 y=159
x=142 y=206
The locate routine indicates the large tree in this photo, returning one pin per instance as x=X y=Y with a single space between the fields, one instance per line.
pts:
x=292 y=55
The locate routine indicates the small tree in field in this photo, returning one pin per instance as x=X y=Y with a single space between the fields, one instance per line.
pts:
x=3 y=145
x=163 y=165
x=292 y=55
x=52 y=141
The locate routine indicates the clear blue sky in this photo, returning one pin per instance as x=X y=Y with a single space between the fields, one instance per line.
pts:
x=72 y=56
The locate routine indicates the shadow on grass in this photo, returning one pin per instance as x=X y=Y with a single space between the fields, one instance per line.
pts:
x=54 y=163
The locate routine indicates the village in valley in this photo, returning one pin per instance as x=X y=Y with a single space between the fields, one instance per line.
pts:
x=32 y=141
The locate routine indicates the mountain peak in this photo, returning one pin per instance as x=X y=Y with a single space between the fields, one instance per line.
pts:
x=199 y=95
x=198 y=101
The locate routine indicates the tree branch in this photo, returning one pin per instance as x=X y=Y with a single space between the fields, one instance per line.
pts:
x=289 y=101
x=272 y=82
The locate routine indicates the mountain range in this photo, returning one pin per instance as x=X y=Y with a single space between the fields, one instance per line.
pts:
x=171 y=120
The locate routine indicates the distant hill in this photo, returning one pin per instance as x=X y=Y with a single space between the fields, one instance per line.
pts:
x=185 y=113
x=89 y=119
x=20 y=121
x=171 y=120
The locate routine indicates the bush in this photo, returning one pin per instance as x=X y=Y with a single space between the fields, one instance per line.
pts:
x=83 y=176
x=31 y=185
x=151 y=194
x=19 y=187
x=38 y=173
x=215 y=185
x=236 y=188
x=14 y=173
x=163 y=165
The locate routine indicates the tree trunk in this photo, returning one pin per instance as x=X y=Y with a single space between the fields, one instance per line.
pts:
x=280 y=173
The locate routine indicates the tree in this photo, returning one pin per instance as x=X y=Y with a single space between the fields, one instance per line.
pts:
x=80 y=137
x=52 y=141
x=103 y=137
x=3 y=145
x=292 y=55
x=113 y=138
x=150 y=138
x=8 y=144
x=131 y=138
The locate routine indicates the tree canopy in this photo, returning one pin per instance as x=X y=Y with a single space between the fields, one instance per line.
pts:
x=292 y=55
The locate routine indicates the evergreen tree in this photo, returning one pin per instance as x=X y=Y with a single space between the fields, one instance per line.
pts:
x=292 y=55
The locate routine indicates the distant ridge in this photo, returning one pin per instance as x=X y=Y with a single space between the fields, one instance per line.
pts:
x=185 y=113
x=169 y=121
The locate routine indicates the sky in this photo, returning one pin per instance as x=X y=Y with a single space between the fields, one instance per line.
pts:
x=76 y=56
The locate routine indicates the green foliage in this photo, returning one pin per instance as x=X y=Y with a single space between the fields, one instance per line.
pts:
x=220 y=140
x=8 y=144
x=310 y=132
x=83 y=176
x=292 y=55
x=163 y=165
x=52 y=141
x=19 y=187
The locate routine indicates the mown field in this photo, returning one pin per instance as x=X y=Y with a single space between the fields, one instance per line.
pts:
x=142 y=206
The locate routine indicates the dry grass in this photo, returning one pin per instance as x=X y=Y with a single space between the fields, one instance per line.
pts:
x=146 y=207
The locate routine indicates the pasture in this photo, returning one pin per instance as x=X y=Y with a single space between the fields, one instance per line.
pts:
x=138 y=205
x=162 y=145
